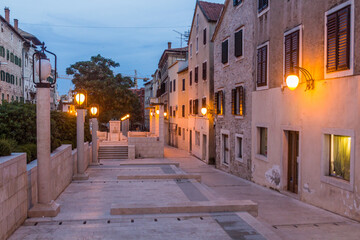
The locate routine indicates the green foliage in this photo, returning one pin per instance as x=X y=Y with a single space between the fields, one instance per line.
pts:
x=112 y=92
x=18 y=126
x=5 y=148
x=18 y=122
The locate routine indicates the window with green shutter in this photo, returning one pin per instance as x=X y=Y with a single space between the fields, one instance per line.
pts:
x=7 y=54
x=16 y=81
x=7 y=77
x=19 y=62
x=239 y=43
x=12 y=57
x=16 y=60
x=224 y=51
x=2 y=75
x=12 y=79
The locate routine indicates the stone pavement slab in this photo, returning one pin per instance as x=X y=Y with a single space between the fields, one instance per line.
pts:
x=86 y=205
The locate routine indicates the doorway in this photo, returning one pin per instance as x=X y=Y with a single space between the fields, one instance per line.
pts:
x=204 y=147
x=293 y=161
x=190 y=140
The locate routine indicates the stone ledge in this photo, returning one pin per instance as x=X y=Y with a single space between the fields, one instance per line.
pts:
x=44 y=210
x=160 y=176
x=140 y=163
x=79 y=177
x=187 y=207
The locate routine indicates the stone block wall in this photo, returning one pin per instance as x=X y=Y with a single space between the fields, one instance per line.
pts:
x=147 y=147
x=13 y=193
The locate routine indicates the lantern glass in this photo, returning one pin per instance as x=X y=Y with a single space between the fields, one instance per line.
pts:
x=203 y=111
x=45 y=68
x=80 y=99
x=94 y=111
x=157 y=112
x=165 y=114
x=292 y=81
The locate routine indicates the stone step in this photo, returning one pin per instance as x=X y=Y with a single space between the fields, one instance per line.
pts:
x=160 y=176
x=186 y=207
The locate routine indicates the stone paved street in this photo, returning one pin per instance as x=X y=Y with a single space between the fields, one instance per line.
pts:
x=85 y=206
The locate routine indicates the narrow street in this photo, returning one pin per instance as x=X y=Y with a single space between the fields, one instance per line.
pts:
x=114 y=204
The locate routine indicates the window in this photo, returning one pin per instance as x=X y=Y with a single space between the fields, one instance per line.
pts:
x=183 y=111
x=196 y=106
x=183 y=84
x=204 y=36
x=2 y=97
x=204 y=70
x=190 y=82
x=219 y=102
x=170 y=86
x=203 y=102
x=262 y=66
x=170 y=110
x=2 y=75
x=263 y=134
x=19 y=62
x=197 y=44
x=338 y=40
x=7 y=54
x=239 y=43
x=225 y=149
x=238 y=147
x=196 y=74
x=238 y=101
x=190 y=49
x=174 y=83
x=292 y=47
x=339 y=156
x=174 y=112
x=197 y=138
x=236 y=2
x=179 y=131
x=12 y=59
x=16 y=60
x=190 y=107
x=16 y=81
x=7 y=77
x=183 y=134
x=12 y=79
x=263 y=4
x=197 y=23
x=224 y=51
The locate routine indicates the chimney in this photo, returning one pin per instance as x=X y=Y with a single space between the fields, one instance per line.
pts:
x=7 y=14
x=16 y=24
x=169 y=45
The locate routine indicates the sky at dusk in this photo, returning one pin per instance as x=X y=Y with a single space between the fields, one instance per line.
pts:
x=134 y=33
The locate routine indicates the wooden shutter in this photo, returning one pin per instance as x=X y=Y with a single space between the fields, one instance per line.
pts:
x=262 y=66
x=222 y=99
x=233 y=101
x=216 y=103
x=338 y=40
x=190 y=78
x=291 y=52
x=174 y=87
x=224 y=52
x=204 y=70
x=241 y=101
x=204 y=36
x=190 y=107
x=196 y=74
x=239 y=43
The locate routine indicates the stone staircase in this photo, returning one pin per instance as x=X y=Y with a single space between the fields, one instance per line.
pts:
x=113 y=152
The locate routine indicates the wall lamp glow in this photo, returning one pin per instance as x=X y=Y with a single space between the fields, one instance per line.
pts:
x=165 y=114
x=203 y=111
x=292 y=80
x=158 y=112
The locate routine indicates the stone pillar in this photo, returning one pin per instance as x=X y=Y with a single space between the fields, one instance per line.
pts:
x=161 y=123
x=46 y=206
x=81 y=165
x=95 y=128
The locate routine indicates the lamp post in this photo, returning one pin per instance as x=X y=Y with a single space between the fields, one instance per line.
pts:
x=94 y=113
x=80 y=103
x=46 y=206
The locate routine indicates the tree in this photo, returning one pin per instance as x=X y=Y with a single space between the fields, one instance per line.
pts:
x=111 y=92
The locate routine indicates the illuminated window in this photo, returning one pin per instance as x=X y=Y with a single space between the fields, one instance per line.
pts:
x=339 y=156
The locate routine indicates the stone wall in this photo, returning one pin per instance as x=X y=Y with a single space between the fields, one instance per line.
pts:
x=147 y=147
x=18 y=183
x=13 y=197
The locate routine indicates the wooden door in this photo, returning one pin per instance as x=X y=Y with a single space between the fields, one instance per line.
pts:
x=293 y=165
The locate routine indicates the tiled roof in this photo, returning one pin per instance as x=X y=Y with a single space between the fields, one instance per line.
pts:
x=211 y=11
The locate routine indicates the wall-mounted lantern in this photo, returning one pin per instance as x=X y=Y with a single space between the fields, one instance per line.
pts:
x=292 y=80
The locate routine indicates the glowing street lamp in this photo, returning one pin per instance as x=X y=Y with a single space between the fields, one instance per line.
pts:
x=94 y=113
x=292 y=80
x=203 y=111
x=80 y=98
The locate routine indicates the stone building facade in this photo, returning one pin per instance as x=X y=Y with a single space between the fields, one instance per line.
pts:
x=234 y=73
x=11 y=49
x=201 y=80
x=304 y=142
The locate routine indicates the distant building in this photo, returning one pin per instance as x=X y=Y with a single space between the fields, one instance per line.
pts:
x=11 y=68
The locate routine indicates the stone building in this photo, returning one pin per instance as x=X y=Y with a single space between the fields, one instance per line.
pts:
x=234 y=73
x=305 y=141
x=11 y=51
x=169 y=57
x=201 y=80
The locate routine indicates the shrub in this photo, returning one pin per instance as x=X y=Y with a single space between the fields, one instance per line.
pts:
x=5 y=148
x=23 y=149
